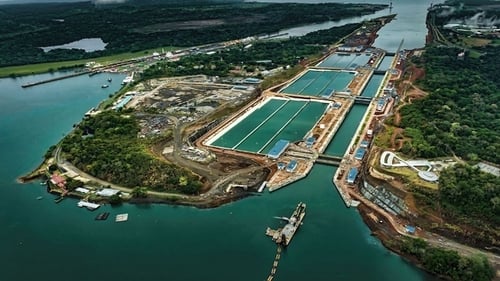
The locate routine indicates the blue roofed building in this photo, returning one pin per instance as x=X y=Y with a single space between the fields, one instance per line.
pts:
x=278 y=149
x=310 y=141
x=360 y=153
x=281 y=165
x=292 y=165
x=380 y=104
x=352 y=175
x=364 y=144
x=410 y=229
x=252 y=81
x=122 y=102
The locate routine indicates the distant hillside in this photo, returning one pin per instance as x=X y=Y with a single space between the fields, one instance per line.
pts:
x=138 y=2
x=131 y=27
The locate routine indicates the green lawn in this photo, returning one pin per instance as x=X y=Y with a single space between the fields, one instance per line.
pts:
x=52 y=66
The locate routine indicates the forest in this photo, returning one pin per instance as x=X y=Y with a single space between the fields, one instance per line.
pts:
x=460 y=116
x=263 y=54
x=469 y=195
x=448 y=263
x=129 y=27
x=106 y=146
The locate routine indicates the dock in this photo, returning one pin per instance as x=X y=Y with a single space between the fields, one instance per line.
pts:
x=121 y=218
x=262 y=186
x=274 y=268
x=27 y=85
x=90 y=206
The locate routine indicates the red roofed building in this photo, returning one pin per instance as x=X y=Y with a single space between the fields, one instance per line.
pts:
x=58 y=180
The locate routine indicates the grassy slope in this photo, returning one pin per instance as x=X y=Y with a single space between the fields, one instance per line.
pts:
x=45 y=67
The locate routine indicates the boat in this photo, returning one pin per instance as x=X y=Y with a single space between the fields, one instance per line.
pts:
x=355 y=203
x=102 y=216
x=89 y=205
x=104 y=86
x=39 y=198
x=109 y=80
x=283 y=236
x=127 y=79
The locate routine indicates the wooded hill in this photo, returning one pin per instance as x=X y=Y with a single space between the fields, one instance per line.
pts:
x=459 y=117
x=131 y=27
x=461 y=114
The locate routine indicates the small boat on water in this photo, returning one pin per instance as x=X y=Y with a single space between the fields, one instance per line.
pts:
x=104 y=86
x=109 y=79
x=102 y=216
x=39 y=198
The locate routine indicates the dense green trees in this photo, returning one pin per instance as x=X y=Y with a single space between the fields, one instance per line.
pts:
x=107 y=147
x=275 y=53
x=466 y=193
x=461 y=114
x=447 y=262
x=130 y=27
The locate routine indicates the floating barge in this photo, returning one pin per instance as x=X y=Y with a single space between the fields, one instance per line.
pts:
x=121 y=217
x=283 y=236
x=102 y=216
x=90 y=206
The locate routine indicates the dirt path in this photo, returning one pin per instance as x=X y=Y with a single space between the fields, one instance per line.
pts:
x=387 y=221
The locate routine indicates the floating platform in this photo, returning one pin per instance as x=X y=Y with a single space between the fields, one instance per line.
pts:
x=102 y=216
x=121 y=218
x=283 y=236
x=90 y=206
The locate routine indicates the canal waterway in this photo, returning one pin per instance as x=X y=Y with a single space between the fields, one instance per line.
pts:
x=47 y=241
x=385 y=63
x=44 y=240
x=319 y=82
x=409 y=24
x=276 y=119
x=372 y=86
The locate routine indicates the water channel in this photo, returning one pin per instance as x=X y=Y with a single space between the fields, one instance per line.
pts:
x=48 y=241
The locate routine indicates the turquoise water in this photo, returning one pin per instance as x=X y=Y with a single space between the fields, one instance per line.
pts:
x=315 y=83
x=41 y=240
x=246 y=126
x=342 y=138
x=372 y=86
x=47 y=241
x=275 y=120
x=385 y=63
x=409 y=24
x=345 y=60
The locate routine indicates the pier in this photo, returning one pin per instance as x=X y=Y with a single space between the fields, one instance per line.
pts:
x=27 y=85
x=274 y=268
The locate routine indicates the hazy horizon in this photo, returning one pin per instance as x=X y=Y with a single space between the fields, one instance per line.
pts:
x=6 y=2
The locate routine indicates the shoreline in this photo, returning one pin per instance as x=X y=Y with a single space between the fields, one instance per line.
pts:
x=387 y=235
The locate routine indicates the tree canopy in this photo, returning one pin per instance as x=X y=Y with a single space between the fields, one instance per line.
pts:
x=461 y=114
x=134 y=27
x=113 y=152
x=466 y=192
